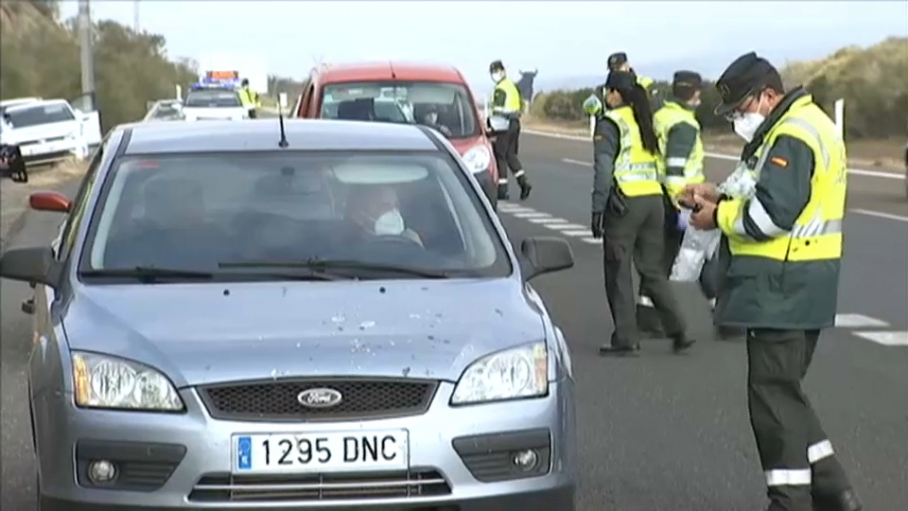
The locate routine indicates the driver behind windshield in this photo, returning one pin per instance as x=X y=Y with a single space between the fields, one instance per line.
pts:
x=374 y=210
x=429 y=117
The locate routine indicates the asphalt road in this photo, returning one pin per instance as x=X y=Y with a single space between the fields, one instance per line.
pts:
x=660 y=432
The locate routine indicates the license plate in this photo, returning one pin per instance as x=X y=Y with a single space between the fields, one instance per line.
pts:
x=321 y=452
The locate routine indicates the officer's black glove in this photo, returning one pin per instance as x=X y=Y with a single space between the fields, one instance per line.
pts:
x=597 y=224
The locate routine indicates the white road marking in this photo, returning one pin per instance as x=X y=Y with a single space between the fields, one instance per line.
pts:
x=591 y=241
x=885 y=338
x=577 y=162
x=567 y=227
x=718 y=156
x=858 y=321
x=548 y=220
x=584 y=232
x=880 y=214
x=534 y=214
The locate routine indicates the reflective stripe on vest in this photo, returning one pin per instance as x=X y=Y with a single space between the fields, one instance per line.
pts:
x=512 y=104
x=665 y=119
x=817 y=232
x=636 y=169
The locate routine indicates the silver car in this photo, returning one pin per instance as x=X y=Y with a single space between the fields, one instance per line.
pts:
x=331 y=319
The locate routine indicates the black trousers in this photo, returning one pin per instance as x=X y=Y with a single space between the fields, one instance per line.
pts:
x=253 y=113
x=506 y=146
x=635 y=238
x=672 y=238
x=797 y=458
x=12 y=164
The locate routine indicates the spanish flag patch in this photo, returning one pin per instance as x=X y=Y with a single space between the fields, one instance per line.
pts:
x=781 y=162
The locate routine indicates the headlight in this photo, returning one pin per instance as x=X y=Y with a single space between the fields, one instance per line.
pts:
x=510 y=374
x=478 y=159
x=107 y=382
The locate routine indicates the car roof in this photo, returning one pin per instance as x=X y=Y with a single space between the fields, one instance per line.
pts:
x=387 y=70
x=264 y=134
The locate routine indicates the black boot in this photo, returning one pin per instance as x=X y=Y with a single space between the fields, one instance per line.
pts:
x=681 y=342
x=649 y=323
x=525 y=186
x=845 y=501
x=503 y=191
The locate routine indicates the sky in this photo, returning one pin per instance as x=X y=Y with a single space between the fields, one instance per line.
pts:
x=559 y=38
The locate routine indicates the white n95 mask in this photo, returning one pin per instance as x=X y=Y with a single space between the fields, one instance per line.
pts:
x=746 y=125
x=390 y=223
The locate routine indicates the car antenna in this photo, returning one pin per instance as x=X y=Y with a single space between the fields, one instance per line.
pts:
x=280 y=117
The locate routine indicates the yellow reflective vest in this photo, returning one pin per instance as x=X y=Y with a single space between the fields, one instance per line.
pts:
x=512 y=103
x=636 y=169
x=249 y=98
x=788 y=279
x=666 y=118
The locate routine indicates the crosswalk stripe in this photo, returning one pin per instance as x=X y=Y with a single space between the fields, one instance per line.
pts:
x=566 y=227
x=885 y=338
x=851 y=320
x=548 y=221
x=532 y=215
x=585 y=232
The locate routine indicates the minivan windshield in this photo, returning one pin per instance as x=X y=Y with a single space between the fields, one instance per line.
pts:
x=204 y=213
x=446 y=107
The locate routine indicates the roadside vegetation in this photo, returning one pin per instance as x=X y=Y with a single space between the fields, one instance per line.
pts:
x=872 y=80
x=40 y=56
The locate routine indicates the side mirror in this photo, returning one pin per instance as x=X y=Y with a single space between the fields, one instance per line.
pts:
x=49 y=201
x=30 y=264
x=545 y=255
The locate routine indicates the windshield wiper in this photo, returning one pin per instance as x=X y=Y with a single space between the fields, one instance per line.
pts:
x=149 y=273
x=329 y=264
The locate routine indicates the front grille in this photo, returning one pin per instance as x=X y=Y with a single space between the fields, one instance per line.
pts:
x=278 y=400
x=274 y=488
x=41 y=141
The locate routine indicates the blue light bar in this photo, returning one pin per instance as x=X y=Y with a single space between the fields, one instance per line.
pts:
x=211 y=83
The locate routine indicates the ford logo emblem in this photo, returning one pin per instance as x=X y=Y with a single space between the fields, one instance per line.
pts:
x=319 y=398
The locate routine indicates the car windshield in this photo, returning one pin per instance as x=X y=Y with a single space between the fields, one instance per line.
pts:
x=213 y=99
x=36 y=115
x=446 y=107
x=410 y=211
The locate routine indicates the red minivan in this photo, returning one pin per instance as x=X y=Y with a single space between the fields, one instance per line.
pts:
x=433 y=95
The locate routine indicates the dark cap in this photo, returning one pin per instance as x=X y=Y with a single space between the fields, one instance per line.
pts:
x=621 y=80
x=496 y=65
x=688 y=79
x=615 y=60
x=743 y=77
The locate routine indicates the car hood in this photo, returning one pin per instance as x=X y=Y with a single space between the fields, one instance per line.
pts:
x=206 y=333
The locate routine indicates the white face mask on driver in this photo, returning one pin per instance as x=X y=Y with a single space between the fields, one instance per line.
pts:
x=498 y=76
x=390 y=223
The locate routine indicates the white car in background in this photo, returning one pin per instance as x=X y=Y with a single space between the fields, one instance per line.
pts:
x=213 y=104
x=49 y=130
x=164 y=110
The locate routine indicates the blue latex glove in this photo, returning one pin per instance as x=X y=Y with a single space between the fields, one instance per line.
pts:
x=683 y=219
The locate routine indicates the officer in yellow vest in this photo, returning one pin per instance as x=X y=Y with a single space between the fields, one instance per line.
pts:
x=507 y=105
x=249 y=98
x=628 y=213
x=785 y=247
x=681 y=164
x=618 y=62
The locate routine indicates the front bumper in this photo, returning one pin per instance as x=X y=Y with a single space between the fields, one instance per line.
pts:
x=462 y=454
x=50 y=152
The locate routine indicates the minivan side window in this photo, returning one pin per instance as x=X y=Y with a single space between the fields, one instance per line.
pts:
x=79 y=204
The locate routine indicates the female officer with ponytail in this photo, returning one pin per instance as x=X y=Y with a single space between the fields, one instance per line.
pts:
x=628 y=213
